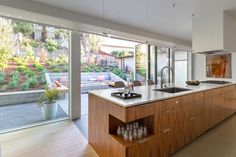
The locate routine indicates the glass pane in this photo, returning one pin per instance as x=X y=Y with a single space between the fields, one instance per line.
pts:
x=162 y=60
x=152 y=62
x=181 y=55
x=141 y=57
x=34 y=57
x=104 y=61
x=181 y=73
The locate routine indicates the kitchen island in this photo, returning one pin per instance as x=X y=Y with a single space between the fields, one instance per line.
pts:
x=172 y=120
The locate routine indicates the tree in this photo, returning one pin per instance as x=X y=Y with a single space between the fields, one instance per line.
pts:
x=25 y=28
x=61 y=34
x=6 y=44
x=44 y=34
x=122 y=53
x=90 y=45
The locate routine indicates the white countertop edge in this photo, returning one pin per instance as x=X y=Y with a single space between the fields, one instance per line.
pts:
x=168 y=95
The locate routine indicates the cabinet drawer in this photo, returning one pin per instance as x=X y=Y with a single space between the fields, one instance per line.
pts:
x=146 y=147
x=209 y=93
x=194 y=109
x=170 y=119
x=172 y=103
x=138 y=112
x=198 y=96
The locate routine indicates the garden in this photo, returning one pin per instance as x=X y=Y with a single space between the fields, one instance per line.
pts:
x=27 y=53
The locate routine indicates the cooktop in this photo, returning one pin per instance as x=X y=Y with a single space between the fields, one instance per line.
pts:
x=215 y=82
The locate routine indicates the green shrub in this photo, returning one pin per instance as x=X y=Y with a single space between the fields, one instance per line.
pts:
x=22 y=69
x=2 y=77
x=13 y=82
x=66 y=68
x=41 y=69
x=63 y=60
x=32 y=81
x=51 y=45
x=35 y=43
x=56 y=70
x=36 y=61
x=22 y=61
x=120 y=73
x=25 y=85
x=7 y=42
x=42 y=79
x=14 y=74
x=30 y=73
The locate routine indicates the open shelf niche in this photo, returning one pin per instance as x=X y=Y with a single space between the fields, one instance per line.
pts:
x=114 y=123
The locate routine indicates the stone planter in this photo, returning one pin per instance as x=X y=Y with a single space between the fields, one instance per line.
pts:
x=21 y=97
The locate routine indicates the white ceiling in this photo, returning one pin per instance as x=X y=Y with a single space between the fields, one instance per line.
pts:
x=160 y=13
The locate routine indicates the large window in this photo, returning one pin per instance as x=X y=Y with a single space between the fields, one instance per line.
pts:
x=105 y=61
x=33 y=57
x=181 y=61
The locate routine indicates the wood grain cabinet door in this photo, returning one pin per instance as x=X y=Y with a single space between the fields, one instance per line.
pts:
x=166 y=146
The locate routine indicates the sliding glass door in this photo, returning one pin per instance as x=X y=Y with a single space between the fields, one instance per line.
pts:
x=34 y=57
x=141 y=62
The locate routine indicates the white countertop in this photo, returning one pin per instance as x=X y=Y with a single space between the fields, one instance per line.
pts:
x=148 y=95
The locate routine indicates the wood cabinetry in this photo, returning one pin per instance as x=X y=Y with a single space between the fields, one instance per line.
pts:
x=172 y=123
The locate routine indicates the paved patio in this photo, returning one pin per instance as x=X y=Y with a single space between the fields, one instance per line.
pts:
x=13 y=116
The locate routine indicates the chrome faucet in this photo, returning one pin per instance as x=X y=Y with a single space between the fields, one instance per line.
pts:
x=173 y=74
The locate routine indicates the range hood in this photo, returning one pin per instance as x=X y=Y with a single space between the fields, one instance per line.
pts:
x=214 y=33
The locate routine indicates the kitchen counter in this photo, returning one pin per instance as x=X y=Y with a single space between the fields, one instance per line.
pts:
x=172 y=120
x=149 y=95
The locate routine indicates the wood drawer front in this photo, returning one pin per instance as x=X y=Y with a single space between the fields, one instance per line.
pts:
x=187 y=99
x=229 y=88
x=198 y=96
x=172 y=103
x=194 y=109
x=138 y=112
x=170 y=119
x=219 y=99
x=209 y=93
x=147 y=147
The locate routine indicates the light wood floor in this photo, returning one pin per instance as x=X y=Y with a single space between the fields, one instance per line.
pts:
x=61 y=139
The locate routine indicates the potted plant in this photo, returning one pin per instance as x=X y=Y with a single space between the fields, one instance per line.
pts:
x=48 y=102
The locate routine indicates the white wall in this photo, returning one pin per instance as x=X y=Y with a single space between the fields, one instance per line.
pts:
x=199 y=67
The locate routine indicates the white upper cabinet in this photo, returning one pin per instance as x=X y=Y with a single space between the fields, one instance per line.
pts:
x=214 y=32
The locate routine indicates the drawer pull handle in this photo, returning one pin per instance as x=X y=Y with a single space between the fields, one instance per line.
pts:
x=202 y=95
x=166 y=130
x=143 y=140
x=192 y=118
x=177 y=102
x=167 y=111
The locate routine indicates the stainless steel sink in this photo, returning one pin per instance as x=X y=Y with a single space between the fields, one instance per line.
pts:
x=172 y=90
